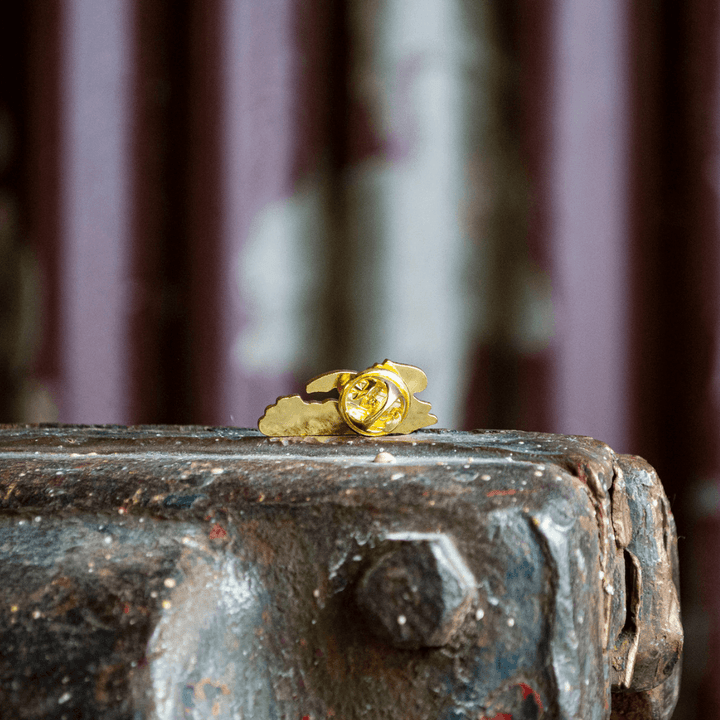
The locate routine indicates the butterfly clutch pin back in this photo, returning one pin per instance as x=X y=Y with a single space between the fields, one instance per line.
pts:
x=377 y=401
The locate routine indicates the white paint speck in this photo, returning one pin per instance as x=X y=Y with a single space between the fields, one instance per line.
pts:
x=485 y=477
x=64 y=698
x=511 y=622
x=217 y=471
x=479 y=614
x=316 y=593
x=169 y=583
x=384 y=457
x=401 y=619
x=107 y=539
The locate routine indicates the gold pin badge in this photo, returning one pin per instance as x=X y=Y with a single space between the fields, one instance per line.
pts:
x=377 y=401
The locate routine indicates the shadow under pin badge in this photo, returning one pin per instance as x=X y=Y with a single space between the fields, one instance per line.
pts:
x=377 y=401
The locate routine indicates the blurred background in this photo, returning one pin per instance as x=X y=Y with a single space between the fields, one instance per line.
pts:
x=204 y=203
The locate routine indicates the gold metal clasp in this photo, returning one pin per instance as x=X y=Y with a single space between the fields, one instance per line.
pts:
x=377 y=401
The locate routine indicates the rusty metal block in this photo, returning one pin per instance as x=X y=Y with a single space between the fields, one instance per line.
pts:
x=167 y=572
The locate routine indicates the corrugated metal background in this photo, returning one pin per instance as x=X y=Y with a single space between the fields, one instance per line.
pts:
x=203 y=204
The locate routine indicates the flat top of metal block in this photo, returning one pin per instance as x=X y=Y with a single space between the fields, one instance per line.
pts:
x=421 y=447
x=96 y=467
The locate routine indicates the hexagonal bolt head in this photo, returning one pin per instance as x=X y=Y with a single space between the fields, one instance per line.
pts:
x=418 y=593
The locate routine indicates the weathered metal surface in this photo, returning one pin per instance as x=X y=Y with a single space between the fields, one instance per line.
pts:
x=167 y=572
x=647 y=650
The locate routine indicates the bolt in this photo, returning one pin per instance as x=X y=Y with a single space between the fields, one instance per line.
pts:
x=418 y=592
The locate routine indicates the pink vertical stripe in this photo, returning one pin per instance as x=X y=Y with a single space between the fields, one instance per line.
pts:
x=589 y=218
x=258 y=149
x=95 y=292
x=712 y=168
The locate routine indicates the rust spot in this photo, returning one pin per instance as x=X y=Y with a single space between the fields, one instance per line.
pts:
x=105 y=679
x=199 y=689
x=493 y=493
x=217 y=532
x=37 y=596
x=68 y=605
x=264 y=549
x=527 y=691
x=63 y=582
